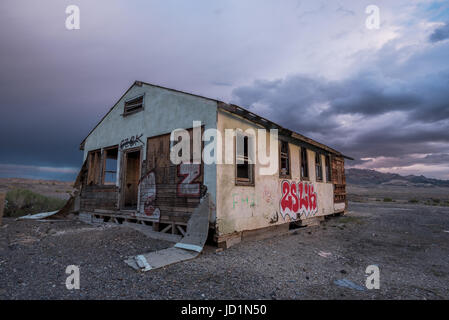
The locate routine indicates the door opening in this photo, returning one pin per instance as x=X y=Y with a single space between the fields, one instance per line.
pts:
x=131 y=180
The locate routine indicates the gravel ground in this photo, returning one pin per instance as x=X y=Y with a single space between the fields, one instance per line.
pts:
x=407 y=242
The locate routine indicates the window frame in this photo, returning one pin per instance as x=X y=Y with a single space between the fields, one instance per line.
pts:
x=94 y=174
x=328 y=169
x=320 y=158
x=302 y=176
x=103 y=171
x=289 y=159
x=129 y=112
x=248 y=182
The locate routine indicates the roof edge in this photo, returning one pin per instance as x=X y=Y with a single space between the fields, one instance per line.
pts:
x=233 y=109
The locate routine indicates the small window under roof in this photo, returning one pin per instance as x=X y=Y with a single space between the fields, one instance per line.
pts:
x=133 y=105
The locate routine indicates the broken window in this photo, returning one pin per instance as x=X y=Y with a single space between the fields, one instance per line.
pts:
x=133 y=105
x=110 y=165
x=245 y=164
x=318 y=167
x=328 y=168
x=284 y=168
x=94 y=159
x=304 y=164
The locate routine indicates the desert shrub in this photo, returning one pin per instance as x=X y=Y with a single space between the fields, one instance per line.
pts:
x=22 y=202
x=388 y=200
x=413 y=201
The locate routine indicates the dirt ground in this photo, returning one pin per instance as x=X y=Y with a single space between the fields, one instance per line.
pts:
x=409 y=244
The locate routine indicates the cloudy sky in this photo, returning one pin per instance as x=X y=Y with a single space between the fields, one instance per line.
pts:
x=378 y=95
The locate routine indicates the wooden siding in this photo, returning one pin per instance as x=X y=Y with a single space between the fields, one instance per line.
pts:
x=339 y=179
x=98 y=197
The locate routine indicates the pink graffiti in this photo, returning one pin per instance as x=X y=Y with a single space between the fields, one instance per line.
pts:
x=297 y=199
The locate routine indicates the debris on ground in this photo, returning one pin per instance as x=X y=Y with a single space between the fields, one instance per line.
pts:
x=348 y=284
x=38 y=216
x=190 y=246
x=324 y=254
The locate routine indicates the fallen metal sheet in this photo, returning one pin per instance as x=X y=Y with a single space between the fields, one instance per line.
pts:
x=38 y=216
x=188 y=248
x=159 y=259
x=197 y=228
x=348 y=284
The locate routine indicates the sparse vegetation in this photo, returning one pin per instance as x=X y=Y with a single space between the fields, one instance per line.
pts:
x=22 y=202
x=413 y=201
x=388 y=200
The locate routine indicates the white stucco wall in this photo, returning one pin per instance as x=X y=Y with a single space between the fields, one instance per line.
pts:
x=242 y=208
x=164 y=111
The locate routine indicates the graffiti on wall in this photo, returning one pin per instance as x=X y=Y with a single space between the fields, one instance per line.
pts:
x=187 y=187
x=298 y=199
x=239 y=199
x=131 y=142
x=148 y=188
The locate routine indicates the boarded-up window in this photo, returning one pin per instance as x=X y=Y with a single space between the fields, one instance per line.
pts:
x=245 y=163
x=318 y=167
x=338 y=179
x=284 y=157
x=110 y=165
x=133 y=105
x=304 y=164
x=93 y=176
x=328 y=168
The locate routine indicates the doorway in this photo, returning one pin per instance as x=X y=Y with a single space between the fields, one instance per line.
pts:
x=131 y=176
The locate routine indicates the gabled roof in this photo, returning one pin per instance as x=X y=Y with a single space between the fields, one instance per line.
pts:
x=301 y=139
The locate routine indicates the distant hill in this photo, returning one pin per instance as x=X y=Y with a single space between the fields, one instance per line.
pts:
x=372 y=177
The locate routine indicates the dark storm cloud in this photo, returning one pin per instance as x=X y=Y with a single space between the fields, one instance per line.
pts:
x=388 y=110
x=55 y=84
x=440 y=33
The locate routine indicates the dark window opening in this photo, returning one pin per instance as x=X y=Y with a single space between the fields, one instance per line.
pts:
x=318 y=167
x=244 y=171
x=110 y=166
x=304 y=164
x=133 y=105
x=284 y=168
x=328 y=168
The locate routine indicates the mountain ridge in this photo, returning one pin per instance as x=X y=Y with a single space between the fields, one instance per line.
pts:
x=373 y=177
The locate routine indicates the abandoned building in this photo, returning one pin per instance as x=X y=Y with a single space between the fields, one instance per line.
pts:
x=128 y=176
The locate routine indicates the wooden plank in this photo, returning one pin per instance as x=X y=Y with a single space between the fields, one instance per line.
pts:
x=265 y=233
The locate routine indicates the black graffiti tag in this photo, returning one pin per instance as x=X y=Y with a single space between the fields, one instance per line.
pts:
x=130 y=142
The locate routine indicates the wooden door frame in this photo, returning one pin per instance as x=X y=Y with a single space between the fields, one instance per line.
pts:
x=123 y=168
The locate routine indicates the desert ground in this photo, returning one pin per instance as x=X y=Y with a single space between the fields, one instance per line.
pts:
x=49 y=188
x=408 y=242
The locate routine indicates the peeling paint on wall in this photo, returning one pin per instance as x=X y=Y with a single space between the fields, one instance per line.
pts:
x=298 y=199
